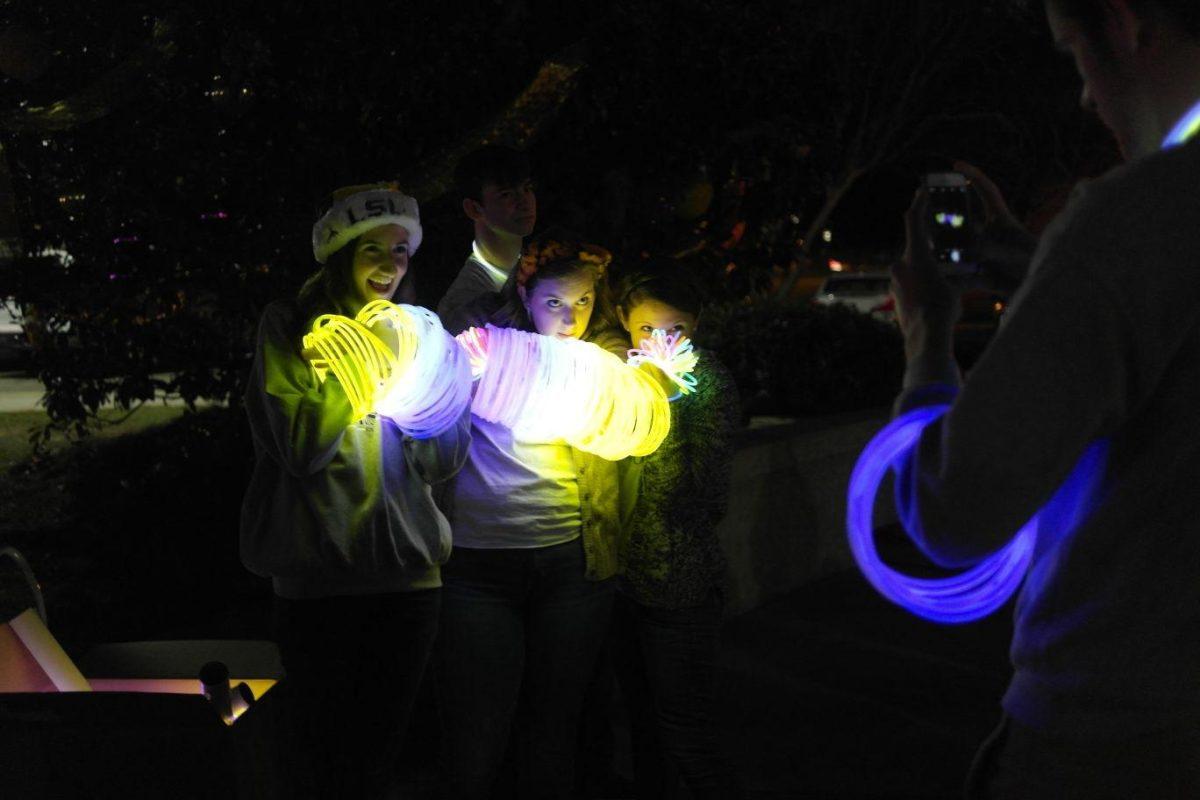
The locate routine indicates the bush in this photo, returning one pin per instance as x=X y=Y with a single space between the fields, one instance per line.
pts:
x=158 y=511
x=796 y=360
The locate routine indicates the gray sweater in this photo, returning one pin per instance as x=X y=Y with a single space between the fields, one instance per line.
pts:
x=474 y=280
x=1101 y=343
x=337 y=507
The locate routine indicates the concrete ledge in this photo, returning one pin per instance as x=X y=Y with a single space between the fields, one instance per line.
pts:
x=787 y=508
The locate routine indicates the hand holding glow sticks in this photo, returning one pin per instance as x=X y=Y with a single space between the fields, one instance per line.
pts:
x=673 y=354
x=475 y=342
x=421 y=379
x=360 y=361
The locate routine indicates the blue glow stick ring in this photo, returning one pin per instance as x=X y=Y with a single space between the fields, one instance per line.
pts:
x=965 y=597
x=1187 y=127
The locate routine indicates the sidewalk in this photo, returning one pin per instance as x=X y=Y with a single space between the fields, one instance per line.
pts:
x=832 y=692
x=20 y=392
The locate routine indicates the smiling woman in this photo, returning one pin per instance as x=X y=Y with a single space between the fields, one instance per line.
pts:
x=363 y=243
x=339 y=512
x=528 y=591
x=380 y=262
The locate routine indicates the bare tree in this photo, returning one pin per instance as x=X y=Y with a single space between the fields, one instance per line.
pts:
x=890 y=77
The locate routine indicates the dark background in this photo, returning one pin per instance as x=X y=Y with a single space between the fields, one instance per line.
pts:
x=163 y=163
x=177 y=153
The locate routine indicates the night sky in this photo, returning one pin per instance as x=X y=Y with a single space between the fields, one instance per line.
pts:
x=263 y=93
x=178 y=152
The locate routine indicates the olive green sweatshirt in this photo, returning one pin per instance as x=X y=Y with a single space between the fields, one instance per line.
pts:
x=334 y=506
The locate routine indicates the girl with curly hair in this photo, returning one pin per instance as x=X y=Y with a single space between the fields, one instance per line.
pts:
x=529 y=585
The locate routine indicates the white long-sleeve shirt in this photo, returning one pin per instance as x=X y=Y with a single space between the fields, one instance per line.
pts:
x=1102 y=342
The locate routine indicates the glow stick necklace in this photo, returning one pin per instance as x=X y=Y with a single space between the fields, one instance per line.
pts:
x=1185 y=128
x=982 y=589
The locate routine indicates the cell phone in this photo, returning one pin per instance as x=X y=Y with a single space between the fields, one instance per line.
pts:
x=948 y=217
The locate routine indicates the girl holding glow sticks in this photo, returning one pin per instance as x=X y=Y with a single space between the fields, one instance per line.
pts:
x=529 y=587
x=339 y=511
x=668 y=609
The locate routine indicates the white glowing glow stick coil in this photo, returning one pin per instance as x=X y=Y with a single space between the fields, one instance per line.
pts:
x=549 y=389
x=437 y=388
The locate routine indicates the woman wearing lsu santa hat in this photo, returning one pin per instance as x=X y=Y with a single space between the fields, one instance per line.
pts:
x=339 y=512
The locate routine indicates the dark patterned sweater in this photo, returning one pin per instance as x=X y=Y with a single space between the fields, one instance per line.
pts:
x=670 y=556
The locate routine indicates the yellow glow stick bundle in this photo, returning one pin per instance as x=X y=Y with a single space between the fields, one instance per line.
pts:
x=547 y=389
x=361 y=363
x=424 y=385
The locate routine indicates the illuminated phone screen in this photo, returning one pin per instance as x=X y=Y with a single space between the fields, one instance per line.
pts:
x=948 y=216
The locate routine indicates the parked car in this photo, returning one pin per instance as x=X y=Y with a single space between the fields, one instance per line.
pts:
x=982 y=311
x=15 y=350
x=866 y=292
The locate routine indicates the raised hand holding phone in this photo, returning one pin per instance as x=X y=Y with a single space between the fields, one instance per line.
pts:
x=927 y=300
x=1001 y=244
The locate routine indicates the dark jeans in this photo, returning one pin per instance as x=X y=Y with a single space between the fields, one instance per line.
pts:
x=1020 y=763
x=595 y=770
x=516 y=625
x=666 y=662
x=354 y=665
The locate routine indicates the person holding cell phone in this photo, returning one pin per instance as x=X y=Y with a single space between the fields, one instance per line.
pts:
x=1101 y=344
x=948 y=206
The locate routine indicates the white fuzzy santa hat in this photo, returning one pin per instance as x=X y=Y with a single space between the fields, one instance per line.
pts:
x=360 y=209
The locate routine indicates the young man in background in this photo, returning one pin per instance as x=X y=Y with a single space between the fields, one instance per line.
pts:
x=497 y=196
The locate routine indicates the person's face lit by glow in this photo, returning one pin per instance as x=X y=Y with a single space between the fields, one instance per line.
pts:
x=380 y=263
x=509 y=210
x=642 y=316
x=1106 y=61
x=562 y=306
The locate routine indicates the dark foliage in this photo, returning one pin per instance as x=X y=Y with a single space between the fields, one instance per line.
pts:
x=798 y=360
x=148 y=547
x=167 y=159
